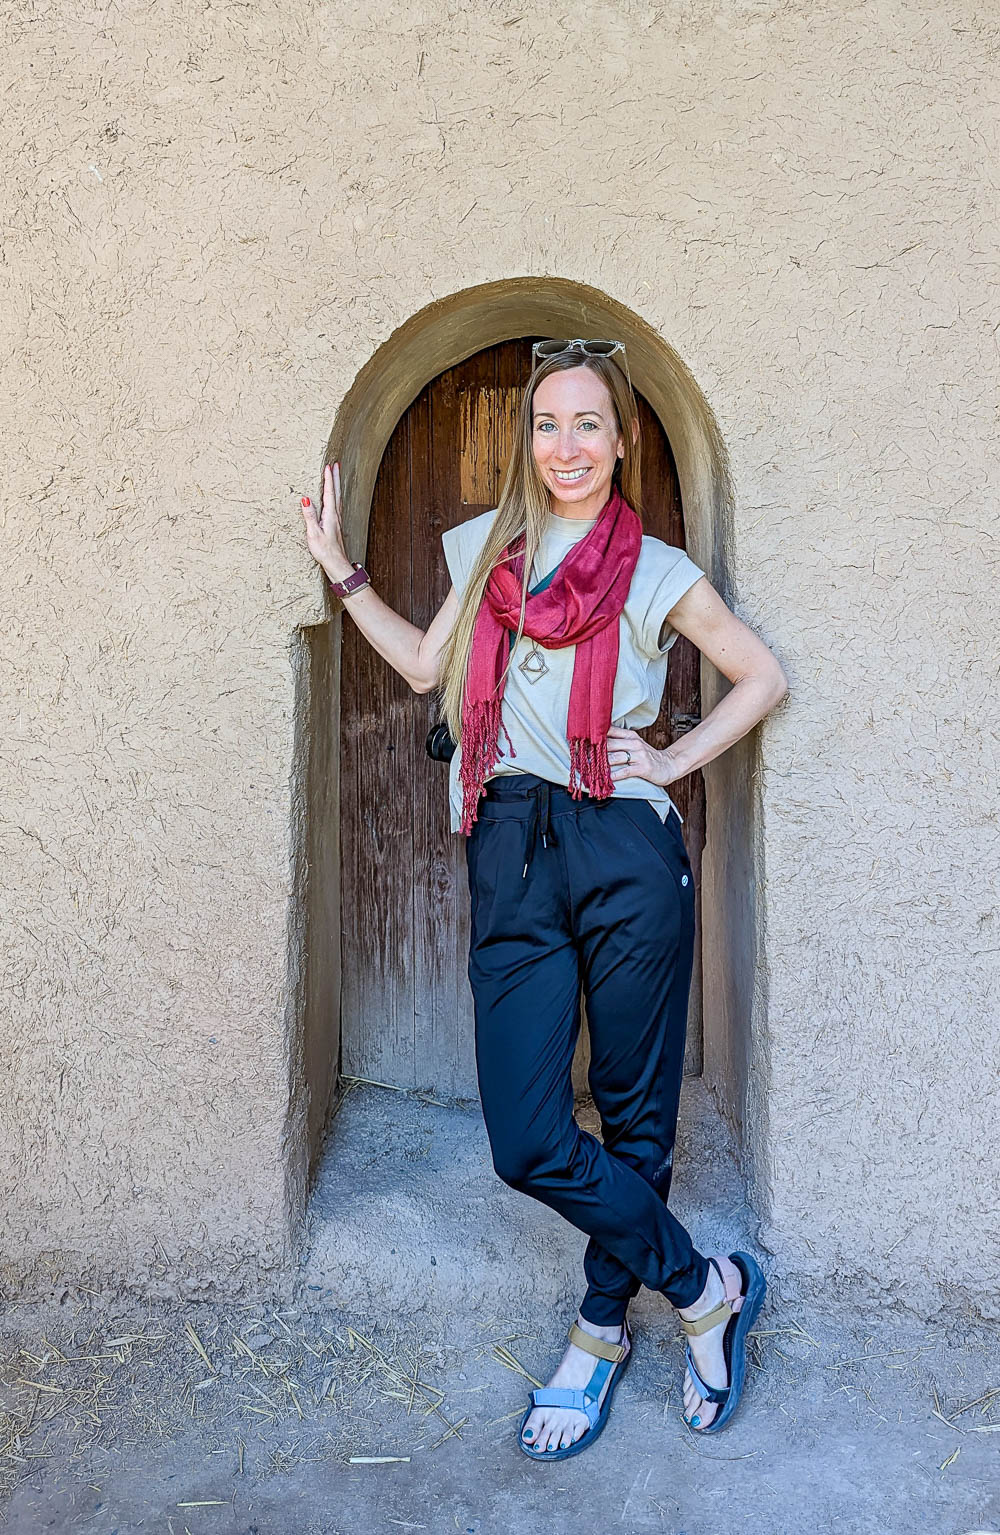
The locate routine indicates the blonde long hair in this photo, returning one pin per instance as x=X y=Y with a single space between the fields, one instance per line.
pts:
x=523 y=508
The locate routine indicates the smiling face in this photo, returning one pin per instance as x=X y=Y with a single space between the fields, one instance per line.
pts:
x=575 y=440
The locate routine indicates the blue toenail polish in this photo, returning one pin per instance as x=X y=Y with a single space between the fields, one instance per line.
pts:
x=695 y=1422
x=529 y=1433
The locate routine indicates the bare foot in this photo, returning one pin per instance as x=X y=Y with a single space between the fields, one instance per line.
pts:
x=706 y=1347
x=552 y=1428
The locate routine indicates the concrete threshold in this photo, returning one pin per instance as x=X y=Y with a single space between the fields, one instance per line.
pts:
x=407 y=1212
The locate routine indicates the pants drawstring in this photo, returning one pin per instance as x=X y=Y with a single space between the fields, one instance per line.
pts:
x=539 y=796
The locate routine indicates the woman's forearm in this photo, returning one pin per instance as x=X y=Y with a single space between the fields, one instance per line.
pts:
x=744 y=706
x=394 y=637
x=396 y=640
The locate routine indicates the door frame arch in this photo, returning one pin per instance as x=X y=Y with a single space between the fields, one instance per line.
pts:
x=437 y=337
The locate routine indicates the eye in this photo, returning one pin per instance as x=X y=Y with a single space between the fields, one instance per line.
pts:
x=591 y=423
x=541 y=425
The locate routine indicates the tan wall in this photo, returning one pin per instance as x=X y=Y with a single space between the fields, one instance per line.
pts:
x=214 y=219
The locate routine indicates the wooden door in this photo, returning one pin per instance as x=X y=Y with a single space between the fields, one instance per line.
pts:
x=407 y=1007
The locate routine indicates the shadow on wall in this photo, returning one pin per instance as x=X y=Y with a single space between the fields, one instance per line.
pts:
x=437 y=338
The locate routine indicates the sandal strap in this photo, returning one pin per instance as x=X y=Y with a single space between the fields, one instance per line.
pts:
x=722 y=1312
x=565 y=1396
x=614 y=1351
x=717 y=1394
x=732 y=1285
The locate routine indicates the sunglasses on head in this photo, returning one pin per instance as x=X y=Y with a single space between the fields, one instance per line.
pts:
x=542 y=350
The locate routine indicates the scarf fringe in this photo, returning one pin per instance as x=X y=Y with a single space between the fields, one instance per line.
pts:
x=589 y=769
x=480 y=749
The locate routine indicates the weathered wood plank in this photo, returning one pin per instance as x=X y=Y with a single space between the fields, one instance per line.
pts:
x=377 y=838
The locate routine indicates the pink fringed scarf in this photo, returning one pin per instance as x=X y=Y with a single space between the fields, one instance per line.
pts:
x=581 y=606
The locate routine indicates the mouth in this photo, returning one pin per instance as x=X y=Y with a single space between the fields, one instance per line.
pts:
x=571 y=476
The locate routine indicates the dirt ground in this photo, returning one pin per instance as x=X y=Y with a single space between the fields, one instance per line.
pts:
x=193 y=1420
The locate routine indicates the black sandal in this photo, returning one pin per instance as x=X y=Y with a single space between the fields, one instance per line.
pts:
x=739 y=1310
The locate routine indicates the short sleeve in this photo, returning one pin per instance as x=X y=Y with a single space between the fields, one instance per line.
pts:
x=676 y=575
x=458 y=569
x=462 y=544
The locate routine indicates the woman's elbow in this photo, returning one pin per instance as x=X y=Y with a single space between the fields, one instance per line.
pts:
x=423 y=684
x=779 y=684
x=769 y=683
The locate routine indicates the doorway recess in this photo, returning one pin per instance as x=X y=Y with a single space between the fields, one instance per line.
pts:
x=486 y=321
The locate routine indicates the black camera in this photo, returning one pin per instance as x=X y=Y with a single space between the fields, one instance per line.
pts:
x=440 y=745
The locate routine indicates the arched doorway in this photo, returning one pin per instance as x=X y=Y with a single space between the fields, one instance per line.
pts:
x=406 y=1005
x=733 y=990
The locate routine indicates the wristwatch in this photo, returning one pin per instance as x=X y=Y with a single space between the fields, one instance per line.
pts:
x=351 y=583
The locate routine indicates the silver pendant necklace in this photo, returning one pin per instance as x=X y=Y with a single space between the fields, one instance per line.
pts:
x=534 y=665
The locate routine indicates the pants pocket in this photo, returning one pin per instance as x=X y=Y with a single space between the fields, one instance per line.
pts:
x=666 y=840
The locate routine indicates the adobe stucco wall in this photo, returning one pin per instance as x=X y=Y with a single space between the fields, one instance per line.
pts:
x=214 y=218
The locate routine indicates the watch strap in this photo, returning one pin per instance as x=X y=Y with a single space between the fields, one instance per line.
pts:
x=351 y=583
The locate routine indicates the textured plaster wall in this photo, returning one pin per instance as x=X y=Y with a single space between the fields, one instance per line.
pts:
x=214 y=217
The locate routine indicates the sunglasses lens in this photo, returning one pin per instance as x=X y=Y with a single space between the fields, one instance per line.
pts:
x=545 y=349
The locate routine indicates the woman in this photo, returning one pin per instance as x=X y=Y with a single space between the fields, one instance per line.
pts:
x=555 y=632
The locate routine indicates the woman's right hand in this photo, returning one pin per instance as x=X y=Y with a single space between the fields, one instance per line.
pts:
x=324 y=532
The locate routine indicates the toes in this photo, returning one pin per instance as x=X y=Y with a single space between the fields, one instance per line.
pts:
x=545 y=1436
x=551 y=1435
x=563 y=1436
x=693 y=1403
x=697 y=1412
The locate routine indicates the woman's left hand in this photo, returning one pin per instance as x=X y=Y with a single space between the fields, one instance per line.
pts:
x=646 y=762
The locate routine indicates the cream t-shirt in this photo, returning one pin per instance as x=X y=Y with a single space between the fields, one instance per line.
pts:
x=535 y=713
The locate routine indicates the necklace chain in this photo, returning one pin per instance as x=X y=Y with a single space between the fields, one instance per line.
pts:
x=534 y=664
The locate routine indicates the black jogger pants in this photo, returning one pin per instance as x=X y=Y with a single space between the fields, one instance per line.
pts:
x=564 y=891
